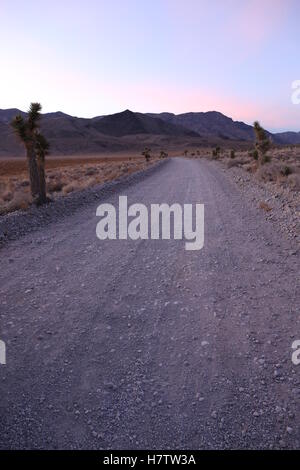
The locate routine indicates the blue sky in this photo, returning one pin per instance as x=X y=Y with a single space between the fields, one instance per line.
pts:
x=96 y=57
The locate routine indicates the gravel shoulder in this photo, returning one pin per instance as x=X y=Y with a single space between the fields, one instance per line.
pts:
x=125 y=344
x=283 y=204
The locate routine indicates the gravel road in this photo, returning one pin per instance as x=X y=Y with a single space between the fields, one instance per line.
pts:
x=141 y=344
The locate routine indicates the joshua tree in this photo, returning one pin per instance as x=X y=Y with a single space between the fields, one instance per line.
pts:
x=146 y=154
x=216 y=152
x=36 y=148
x=185 y=153
x=163 y=154
x=232 y=154
x=262 y=143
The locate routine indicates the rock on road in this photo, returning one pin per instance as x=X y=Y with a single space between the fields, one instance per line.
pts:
x=141 y=344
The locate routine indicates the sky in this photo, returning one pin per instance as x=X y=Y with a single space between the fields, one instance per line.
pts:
x=96 y=57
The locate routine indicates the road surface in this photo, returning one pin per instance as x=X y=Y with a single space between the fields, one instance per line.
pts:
x=141 y=344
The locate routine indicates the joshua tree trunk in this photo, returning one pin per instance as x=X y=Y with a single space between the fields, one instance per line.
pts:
x=42 y=181
x=33 y=171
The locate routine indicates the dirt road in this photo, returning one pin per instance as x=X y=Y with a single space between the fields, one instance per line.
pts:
x=141 y=344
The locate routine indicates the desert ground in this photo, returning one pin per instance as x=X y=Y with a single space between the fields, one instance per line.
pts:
x=63 y=175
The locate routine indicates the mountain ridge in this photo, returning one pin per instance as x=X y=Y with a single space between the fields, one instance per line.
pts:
x=127 y=130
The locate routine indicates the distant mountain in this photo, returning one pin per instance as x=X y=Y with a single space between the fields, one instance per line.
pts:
x=129 y=130
x=66 y=134
x=130 y=123
x=211 y=124
x=291 y=138
x=214 y=124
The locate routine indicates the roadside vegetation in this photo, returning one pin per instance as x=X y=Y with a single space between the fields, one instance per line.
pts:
x=267 y=162
x=37 y=147
x=63 y=176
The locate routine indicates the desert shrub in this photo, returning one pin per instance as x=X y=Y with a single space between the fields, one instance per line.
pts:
x=90 y=171
x=232 y=154
x=55 y=186
x=268 y=172
x=286 y=170
x=265 y=159
x=69 y=188
x=20 y=200
x=263 y=205
x=274 y=172
x=147 y=154
x=294 y=182
x=7 y=196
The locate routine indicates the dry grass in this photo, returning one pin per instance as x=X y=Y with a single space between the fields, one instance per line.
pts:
x=263 y=205
x=63 y=176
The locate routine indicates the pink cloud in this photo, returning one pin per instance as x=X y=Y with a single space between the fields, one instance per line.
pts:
x=152 y=97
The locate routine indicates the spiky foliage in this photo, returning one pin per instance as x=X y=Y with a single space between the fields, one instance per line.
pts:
x=163 y=154
x=262 y=143
x=147 y=154
x=19 y=126
x=34 y=115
